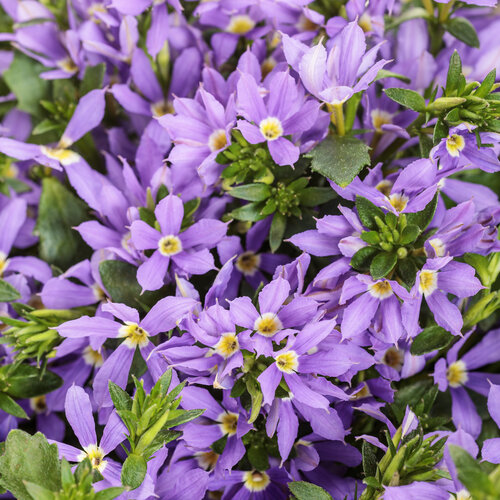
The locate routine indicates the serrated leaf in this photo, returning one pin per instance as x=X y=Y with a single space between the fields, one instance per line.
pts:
x=340 y=159
x=367 y=212
x=362 y=259
x=308 y=491
x=59 y=212
x=382 y=264
x=133 y=471
x=29 y=458
x=8 y=405
x=7 y=292
x=462 y=29
x=431 y=338
x=407 y=98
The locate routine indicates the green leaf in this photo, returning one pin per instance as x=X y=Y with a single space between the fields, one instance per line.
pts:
x=277 y=231
x=340 y=159
x=133 y=471
x=258 y=457
x=454 y=72
x=250 y=212
x=308 y=491
x=440 y=132
x=109 y=493
x=7 y=292
x=23 y=80
x=367 y=212
x=462 y=29
x=470 y=473
x=93 y=78
x=362 y=259
x=39 y=492
x=484 y=89
x=409 y=234
x=47 y=125
x=27 y=381
x=382 y=264
x=183 y=416
x=423 y=218
x=251 y=192
x=59 y=212
x=8 y=405
x=32 y=459
x=370 y=237
x=407 y=15
x=407 y=98
x=385 y=73
x=253 y=388
x=369 y=459
x=121 y=399
x=407 y=271
x=431 y=338
x=314 y=196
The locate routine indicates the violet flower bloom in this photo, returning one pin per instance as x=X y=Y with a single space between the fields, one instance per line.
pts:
x=375 y=303
x=459 y=151
x=188 y=250
x=335 y=76
x=88 y=114
x=416 y=491
x=458 y=373
x=218 y=420
x=281 y=113
x=491 y=447
x=435 y=281
x=163 y=316
x=79 y=415
x=274 y=318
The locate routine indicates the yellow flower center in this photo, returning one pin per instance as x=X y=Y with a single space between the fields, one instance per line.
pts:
x=364 y=392
x=461 y=495
x=365 y=22
x=287 y=362
x=248 y=263
x=398 y=201
x=379 y=118
x=207 y=459
x=38 y=404
x=4 y=262
x=228 y=423
x=134 y=335
x=428 y=282
x=170 y=245
x=384 y=187
x=91 y=357
x=67 y=65
x=438 y=246
x=271 y=128
x=454 y=144
x=380 y=290
x=457 y=374
x=161 y=108
x=63 y=156
x=217 y=140
x=95 y=455
x=240 y=25
x=227 y=345
x=256 y=481
x=267 y=66
x=267 y=324
x=394 y=358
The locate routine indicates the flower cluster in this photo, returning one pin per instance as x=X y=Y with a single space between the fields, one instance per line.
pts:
x=253 y=246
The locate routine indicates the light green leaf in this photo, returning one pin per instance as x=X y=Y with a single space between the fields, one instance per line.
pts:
x=8 y=405
x=407 y=98
x=7 y=292
x=251 y=192
x=133 y=471
x=308 y=491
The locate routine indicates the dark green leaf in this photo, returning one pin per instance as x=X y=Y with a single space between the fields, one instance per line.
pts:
x=485 y=87
x=278 y=227
x=7 y=292
x=462 y=29
x=251 y=192
x=423 y=218
x=407 y=271
x=340 y=159
x=470 y=473
x=183 y=417
x=407 y=98
x=370 y=237
x=147 y=215
x=121 y=399
x=29 y=458
x=425 y=144
x=251 y=212
x=134 y=471
x=23 y=80
x=8 y=405
x=362 y=259
x=238 y=388
x=219 y=445
x=59 y=212
x=314 y=196
x=382 y=264
x=93 y=78
x=432 y=338
x=454 y=72
x=27 y=381
x=367 y=212
x=308 y=491
x=440 y=132
x=409 y=234
x=369 y=459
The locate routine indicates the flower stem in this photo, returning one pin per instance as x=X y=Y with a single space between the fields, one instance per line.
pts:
x=338 y=112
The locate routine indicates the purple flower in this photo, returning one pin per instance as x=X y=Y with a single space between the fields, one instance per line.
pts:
x=187 y=250
x=283 y=112
x=491 y=447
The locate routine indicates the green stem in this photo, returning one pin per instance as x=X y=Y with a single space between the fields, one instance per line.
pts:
x=338 y=112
